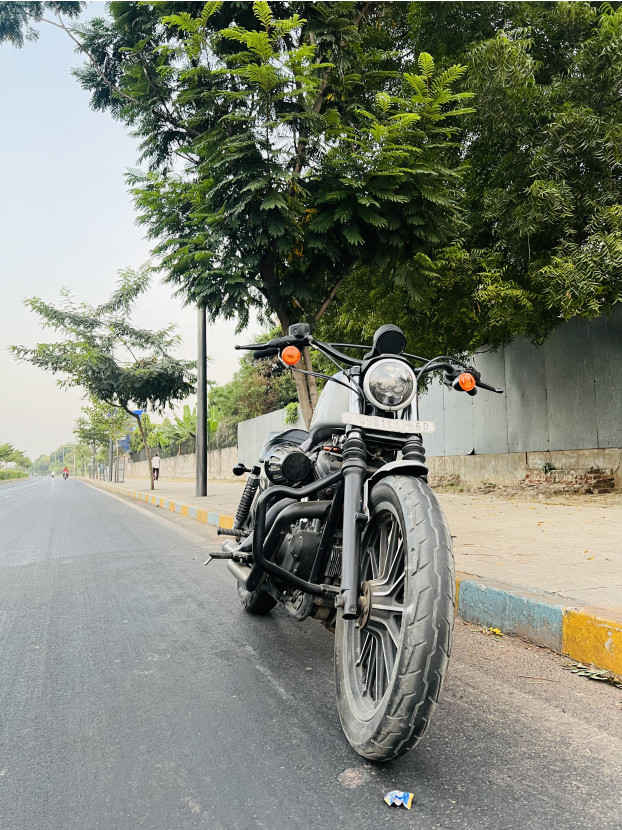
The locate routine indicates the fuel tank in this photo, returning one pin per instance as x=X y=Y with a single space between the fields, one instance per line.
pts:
x=334 y=400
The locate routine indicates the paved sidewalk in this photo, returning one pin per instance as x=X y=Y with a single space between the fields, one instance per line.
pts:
x=525 y=567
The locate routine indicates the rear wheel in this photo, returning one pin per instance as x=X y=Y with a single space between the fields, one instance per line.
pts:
x=391 y=661
x=255 y=602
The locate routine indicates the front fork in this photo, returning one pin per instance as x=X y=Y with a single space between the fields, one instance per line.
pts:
x=353 y=468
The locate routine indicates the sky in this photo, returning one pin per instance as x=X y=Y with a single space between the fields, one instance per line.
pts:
x=67 y=220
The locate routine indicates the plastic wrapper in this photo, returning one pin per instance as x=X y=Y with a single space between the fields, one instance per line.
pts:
x=398 y=798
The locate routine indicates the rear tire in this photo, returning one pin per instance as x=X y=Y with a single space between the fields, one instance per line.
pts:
x=391 y=661
x=255 y=602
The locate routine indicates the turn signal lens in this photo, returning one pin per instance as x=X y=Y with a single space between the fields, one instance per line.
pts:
x=466 y=381
x=290 y=355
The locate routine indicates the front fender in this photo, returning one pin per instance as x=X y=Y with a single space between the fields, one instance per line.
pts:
x=408 y=468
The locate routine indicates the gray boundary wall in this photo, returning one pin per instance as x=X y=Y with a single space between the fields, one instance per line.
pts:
x=564 y=395
x=219 y=465
x=252 y=433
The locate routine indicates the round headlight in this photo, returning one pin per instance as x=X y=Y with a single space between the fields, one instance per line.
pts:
x=390 y=384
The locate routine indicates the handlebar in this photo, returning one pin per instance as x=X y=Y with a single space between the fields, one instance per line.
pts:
x=300 y=335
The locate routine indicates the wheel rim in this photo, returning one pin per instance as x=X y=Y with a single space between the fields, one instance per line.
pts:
x=373 y=641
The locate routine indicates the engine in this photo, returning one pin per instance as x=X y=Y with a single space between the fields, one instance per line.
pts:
x=297 y=552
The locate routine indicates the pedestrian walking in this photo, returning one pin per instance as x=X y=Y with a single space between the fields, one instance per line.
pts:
x=155 y=466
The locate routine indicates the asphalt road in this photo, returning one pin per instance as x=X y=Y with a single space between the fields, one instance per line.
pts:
x=134 y=692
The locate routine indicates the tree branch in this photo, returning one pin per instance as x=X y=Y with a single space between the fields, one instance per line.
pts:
x=82 y=48
x=329 y=299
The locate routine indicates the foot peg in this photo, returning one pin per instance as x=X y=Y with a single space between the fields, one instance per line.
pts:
x=228 y=551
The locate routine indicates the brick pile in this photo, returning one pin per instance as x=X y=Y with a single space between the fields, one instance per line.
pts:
x=593 y=480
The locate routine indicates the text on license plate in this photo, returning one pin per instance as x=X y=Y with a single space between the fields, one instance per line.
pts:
x=386 y=424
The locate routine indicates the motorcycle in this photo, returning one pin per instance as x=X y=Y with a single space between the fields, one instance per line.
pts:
x=65 y=475
x=340 y=524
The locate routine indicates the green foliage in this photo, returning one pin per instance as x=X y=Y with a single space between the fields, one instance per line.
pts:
x=148 y=374
x=291 y=413
x=311 y=145
x=544 y=185
x=542 y=190
x=9 y=474
x=180 y=429
x=41 y=465
x=150 y=432
x=10 y=455
x=258 y=386
x=305 y=158
x=16 y=18
x=100 y=423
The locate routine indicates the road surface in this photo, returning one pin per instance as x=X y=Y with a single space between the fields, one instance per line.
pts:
x=135 y=693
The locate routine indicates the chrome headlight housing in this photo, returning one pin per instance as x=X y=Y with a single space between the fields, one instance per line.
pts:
x=390 y=384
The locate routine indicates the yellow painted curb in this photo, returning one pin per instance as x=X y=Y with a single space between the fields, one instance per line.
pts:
x=171 y=506
x=594 y=635
x=225 y=521
x=184 y=510
x=202 y=516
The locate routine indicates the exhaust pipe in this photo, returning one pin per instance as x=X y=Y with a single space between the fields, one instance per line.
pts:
x=240 y=572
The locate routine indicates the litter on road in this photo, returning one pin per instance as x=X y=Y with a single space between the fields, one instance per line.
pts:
x=398 y=797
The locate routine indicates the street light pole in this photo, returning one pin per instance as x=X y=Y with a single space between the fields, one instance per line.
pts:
x=201 y=454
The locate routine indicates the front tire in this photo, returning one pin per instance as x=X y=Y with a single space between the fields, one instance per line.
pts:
x=391 y=661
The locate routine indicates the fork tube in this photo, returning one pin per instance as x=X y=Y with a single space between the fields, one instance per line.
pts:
x=353 y=468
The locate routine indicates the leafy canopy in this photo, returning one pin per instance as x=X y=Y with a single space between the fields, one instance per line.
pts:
x=308 y=145
x=113 y=361
x=542 y=186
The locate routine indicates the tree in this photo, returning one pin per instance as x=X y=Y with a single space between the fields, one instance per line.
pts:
x=257 y=387
x=101 y=423
x=179 y=429
x=310 y=142
x=543 y=185
x=10 y=455
x=114 y=362
x=41 y=465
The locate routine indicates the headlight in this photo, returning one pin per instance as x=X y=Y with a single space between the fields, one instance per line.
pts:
x=390 y=384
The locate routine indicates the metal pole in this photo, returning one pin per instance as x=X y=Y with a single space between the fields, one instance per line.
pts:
x=201 y=469
x=110 y=459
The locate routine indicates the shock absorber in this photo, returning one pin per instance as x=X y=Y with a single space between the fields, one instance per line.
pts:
x=244 y=507
x=413 y=451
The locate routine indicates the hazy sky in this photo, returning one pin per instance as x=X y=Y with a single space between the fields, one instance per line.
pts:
x=66 y=220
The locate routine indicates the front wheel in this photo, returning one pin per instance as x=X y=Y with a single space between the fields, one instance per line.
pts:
x=391 y=661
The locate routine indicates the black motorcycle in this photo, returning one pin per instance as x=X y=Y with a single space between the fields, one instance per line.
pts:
x=340 y=524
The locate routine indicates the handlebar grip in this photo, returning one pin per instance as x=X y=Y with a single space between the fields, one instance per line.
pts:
x=259 y=354
x=490 y=388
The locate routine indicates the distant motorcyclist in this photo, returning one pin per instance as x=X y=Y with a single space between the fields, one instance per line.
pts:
x=65 y=473
x=52 y=473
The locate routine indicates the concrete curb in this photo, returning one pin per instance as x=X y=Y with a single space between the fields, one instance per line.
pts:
x=203 y=516
x=583 y=633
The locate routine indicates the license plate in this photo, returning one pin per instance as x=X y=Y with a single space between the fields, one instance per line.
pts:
x=386 y=424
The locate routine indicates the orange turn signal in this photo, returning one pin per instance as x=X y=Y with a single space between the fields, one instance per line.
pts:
x=290 y=355
x=466 y=381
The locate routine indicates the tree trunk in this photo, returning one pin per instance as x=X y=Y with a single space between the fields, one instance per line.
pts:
x=142 y=435
x=311 y=381
x=303 y=396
